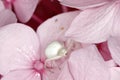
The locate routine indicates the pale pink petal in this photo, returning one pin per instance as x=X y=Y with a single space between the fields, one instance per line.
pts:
x=1 y=6
x=54 y=28
x=19 y=47
x=114 y=47
x=116 y=24
x=22 y=75
x=93 y=25
x=25 y=9
x=87 y=64
x=115 y=73
x=65 y=74
x=7 y=17
x=111 y=63
x=82 y=4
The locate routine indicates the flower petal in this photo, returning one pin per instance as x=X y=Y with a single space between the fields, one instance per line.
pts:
x=1 y=6
x=19 y=47
x=114 y=47
x=115 y=73
x=92 y=25
x=54 y=28
x=82 y=4
x=18 y=75
x=87 y=64
x=25 y=9
x=65 y=74
x=7 y=17
x=116 y=24
x=111 y=63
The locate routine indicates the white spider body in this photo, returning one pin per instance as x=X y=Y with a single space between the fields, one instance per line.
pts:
x=55 y=50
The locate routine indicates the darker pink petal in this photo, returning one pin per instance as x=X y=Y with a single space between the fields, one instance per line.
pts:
x=103 y=49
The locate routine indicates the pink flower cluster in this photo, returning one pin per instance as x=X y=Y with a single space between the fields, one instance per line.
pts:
x=82 y=44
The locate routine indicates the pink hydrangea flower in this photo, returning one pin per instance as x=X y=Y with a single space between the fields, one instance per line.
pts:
x=22 y=54
x=22 y=50
x=24 y=9
x=98 y=24
x=6 y=16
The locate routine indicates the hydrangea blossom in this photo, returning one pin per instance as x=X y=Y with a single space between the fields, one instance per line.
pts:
x=52 y=54
x=26 y=48
x=98 y=24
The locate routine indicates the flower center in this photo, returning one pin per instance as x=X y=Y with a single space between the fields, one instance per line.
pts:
x=38 y=66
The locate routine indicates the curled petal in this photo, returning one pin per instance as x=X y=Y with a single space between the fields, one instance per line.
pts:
x=22 y=75
x=114 y=47
x=7 y=17
x=93 y=25
x=54 y=28
x=19 y=47
x=25 y=9
x=83 y=4
x=87 y=64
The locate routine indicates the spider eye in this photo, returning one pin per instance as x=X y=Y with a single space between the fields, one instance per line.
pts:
x=54 y=50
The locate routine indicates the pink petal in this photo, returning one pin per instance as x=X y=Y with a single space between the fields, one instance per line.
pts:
x=111 y=63
x=114 y=47
x=1 y=6
x=54 y=28
x=22 y=75
x=82 y=4
x=25 y=9
x=115 y=73
x=87 y=64
x=19 y=47
x=116 y=23
x=7 y=17
x=65 y=74
x=92 y=25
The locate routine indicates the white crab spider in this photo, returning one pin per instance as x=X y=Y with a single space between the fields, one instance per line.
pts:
x=54 y=51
